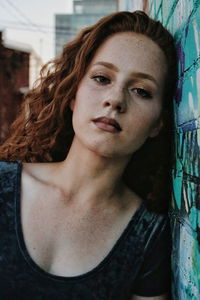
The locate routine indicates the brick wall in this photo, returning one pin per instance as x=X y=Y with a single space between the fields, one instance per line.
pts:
x=14 y=75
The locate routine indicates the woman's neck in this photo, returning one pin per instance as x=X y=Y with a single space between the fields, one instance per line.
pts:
x=88 y=177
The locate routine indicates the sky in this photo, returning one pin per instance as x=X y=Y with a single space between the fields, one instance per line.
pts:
x=32 y=22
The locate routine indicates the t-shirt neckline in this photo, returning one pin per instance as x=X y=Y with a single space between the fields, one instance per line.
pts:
x=36 y=268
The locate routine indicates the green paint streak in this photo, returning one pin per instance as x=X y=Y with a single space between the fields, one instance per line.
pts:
x=186 y=174
x=171 y=11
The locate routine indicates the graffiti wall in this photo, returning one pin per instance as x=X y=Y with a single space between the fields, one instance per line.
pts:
x=182 y=18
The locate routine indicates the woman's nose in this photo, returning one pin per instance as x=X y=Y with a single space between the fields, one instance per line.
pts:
x=116 y=100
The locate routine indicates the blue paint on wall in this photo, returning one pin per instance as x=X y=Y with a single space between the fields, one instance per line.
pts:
x=182 y=18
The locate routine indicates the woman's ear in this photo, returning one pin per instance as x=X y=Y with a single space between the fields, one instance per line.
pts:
x=71 y=104
x=157 y=128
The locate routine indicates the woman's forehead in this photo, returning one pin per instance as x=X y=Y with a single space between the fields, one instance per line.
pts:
x=132 y=52
x=129 y=43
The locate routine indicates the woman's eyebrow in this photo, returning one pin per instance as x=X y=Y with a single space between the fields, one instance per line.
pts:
x=134 y=74
x=144 y=76
x=107 y=65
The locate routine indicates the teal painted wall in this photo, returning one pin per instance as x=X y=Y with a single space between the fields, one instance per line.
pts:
x=182 y=18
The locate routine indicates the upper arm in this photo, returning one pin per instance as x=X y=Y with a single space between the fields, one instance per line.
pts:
x=161 y=297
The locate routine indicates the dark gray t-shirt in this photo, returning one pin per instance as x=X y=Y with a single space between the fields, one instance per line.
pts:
x=139 y=262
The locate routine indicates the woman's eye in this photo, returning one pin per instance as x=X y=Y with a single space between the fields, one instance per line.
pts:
x=142 y=93
x=101 y=79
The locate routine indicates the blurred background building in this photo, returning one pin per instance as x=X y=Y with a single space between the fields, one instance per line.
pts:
x=19 y=68
x=132 y=5
x=102 y=7
x=14 y=80
x=85 y=13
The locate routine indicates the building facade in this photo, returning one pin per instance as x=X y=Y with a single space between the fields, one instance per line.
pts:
x=14 y=79
x=94 y=6
x=131 y=5
x=86 y=12
x=19 y=68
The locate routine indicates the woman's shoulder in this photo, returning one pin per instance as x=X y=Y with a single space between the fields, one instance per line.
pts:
x=37 y=178
x=150 y=225
x=155 y=228
x=149 y=216
x=8 y=165
x=38 y=171
x=18 y=172
x=9 y=177
x=154 y=222
x=9 y=169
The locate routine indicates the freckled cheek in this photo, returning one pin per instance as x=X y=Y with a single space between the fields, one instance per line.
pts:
x=143 y=122
x=88 y=96
x=84 y=111
x=153 y=112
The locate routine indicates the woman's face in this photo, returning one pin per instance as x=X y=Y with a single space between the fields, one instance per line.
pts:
x=119 y=100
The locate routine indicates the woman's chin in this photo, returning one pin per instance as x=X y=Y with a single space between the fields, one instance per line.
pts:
x=104 y=148
x=108 y=152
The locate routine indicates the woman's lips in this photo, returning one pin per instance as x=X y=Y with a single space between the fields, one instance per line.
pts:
x=107 y=124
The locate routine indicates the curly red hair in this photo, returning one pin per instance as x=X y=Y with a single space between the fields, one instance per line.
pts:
x=43 y=130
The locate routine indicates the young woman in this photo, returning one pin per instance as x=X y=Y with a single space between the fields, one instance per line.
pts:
x=85 y=223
